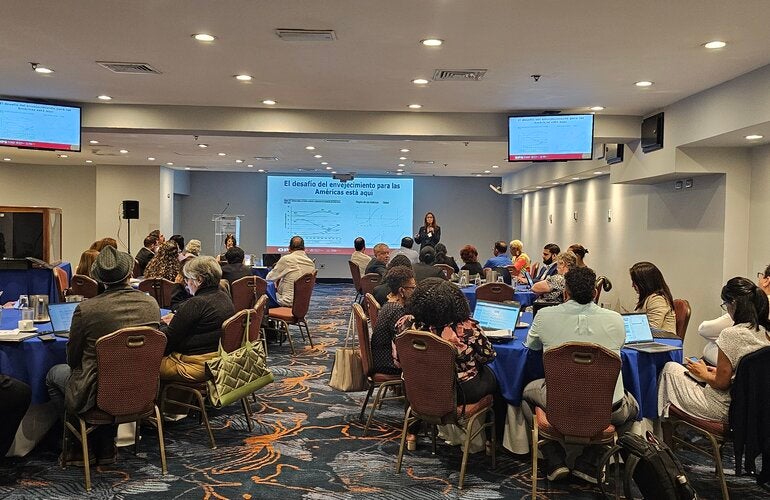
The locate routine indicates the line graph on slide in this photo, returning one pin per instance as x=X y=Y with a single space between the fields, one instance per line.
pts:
x=321 y=225
x=381 y=223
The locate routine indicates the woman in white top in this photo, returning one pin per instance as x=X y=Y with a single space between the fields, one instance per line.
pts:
x=710 y=329
x=747 y=305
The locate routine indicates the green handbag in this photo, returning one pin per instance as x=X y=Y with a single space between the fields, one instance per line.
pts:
x=234 y=375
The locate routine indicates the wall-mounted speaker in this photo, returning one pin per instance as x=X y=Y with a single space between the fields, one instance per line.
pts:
x=652 y=133
x=130 y=209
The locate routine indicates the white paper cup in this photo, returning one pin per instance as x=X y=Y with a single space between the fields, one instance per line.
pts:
x=26 y=325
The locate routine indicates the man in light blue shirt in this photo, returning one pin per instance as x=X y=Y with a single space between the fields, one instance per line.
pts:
x=501 y=258
x=406 y=249
x=578 y=319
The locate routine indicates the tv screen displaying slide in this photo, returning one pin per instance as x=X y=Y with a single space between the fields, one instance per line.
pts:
x=330 y=214
x=550 y=137
x=39 y=126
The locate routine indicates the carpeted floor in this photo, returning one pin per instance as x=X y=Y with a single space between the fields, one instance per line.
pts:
x=307 y=443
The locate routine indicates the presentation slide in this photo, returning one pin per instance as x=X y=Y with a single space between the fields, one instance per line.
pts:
x=39 y=126
x=550 y=138
x=330 y=214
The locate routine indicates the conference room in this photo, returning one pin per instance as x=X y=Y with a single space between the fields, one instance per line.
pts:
x=333 y=120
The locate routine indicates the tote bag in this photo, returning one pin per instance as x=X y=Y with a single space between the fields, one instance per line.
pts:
x=348 y=372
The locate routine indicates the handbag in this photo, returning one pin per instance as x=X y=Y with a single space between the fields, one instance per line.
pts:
x=348 y=371
x=234 y=375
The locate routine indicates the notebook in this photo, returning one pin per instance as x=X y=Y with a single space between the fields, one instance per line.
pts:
x=498 y=319
x=61 y=317
x=639 y=335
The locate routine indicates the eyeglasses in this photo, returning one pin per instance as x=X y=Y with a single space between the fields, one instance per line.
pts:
x=724 y=305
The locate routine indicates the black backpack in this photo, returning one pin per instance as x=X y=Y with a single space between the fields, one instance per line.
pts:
x=654 y=468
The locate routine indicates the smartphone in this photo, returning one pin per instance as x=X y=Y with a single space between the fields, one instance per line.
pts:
x=693 y=359
x=47 y=338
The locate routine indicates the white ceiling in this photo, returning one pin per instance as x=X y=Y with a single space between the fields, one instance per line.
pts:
x=588 y=53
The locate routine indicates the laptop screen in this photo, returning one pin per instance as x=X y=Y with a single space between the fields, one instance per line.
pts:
x=637 y=328
x=61 y=315
x=497 y=315
x=527 y=276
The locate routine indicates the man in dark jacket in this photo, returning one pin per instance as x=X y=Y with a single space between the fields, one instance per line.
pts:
x=380 y=260
x=235 y=268
x=425 y=268
x=147 y=252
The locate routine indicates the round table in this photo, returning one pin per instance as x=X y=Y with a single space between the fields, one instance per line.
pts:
x=522 y=295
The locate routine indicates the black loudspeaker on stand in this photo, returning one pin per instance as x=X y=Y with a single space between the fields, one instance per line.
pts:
x=130 y=211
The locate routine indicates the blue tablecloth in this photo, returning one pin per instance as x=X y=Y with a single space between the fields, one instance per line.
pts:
x=516 y=366
x=30 y=360
x=522 y=295
x=260 y=271
x=31 y=282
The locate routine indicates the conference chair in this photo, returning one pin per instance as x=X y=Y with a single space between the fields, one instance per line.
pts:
x=380 y=381
x=83 y=285
x=160 y=289
x=430 y=381
x=128 y=362
x=369 y=281
x=580 y=378
x=295 y=315
x=682 y=311
x=62 y=282
x=355 y=273
x=602 y=283
x=446 y=269
x=373 y=308
x=533 y=269
x=137 y=270
x=495 y=292
x=246 y=291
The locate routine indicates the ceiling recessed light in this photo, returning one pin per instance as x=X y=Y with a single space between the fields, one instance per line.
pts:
x=401 y=165
x=334 y=171
x=104 y=97
x=324 y=163
x=238 y=161
x=150 y=158
x=187 y=168
x=715 y=44
x=269 y=102
x=204 y=37
x=644 y=83
x=432 y=42
x=6 y=159
x=250 y=165
x=538 y=187
x=576 y=178
x=754 y=137
x=598 y=173
x=63 y=156
x=89 y=161
x=169 y=163
x=318 y=156
x=93 y=142
x=124 y=151
x=525 y=190
x=41 y=69
x=402 y=158
x=221 y=154
x=243 y=78
x=328 y=168
x=203 y=145
x=495 y=166
x=310 y=148
x=261 y=170
x=596 y=108
x=487 y=171
x=415 y=106
x=399 y=173
x=404 y=150
x=420 y=81
x=400 y=170
x=554 y=183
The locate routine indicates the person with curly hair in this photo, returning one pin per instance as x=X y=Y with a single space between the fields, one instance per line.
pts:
x=470 y=257
x=381 y=291
x=165 y=264
x=401 y=285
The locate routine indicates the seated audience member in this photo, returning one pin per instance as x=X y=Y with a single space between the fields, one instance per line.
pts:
x=87 y=259
x=179 y=240
x=99 y=245
x=229 y=243
x=235 y=268
x=358 y=257
x=16 y=396
x=500 y=258
x=165 y=264
x=382 y=290
x=470 y=257
x=401 y=285
x=406 y=249
x=193 y=248
x=439 y=307
x=443 y=258
x=518 y=257
x=380 y=260
x=580 y=251
x=425 y=268
x=548 y=265
x=551 y=289
x=748 y=307
x=195 y=330
x=288 y=269
x=710 y=329
x=147 y=252
x=578 y=319
x=159 y=236
x=74 y=384
x=654 y=296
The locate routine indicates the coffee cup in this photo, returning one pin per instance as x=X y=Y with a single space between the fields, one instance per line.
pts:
x=26 y=325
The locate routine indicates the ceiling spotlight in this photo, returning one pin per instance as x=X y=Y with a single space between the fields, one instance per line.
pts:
x=715 y=44
x=334 y=171
x=187 y=168
x=250 y=165
x=576 y=178
x=238 y=161
x=598 y=173
x=124 y=151
x=402 y=158
x=318 y=156
x=644 y=83
x=221 y=154
x=495 y=166
x=203 y=145
x=170 y=163
x=269 y=102
x=596 y=108
x=420 y=81
x=150 y=158
x=496 y=189
x=415 y=106
x=310 y=148
x=324 y=163
x=37 y=68
x=432 y=42
x=6 y=159
x=328 y=168
x=400 y=170
x=554 y=183
x=204 y=37
x=478 y=175
x=401 y=165
x=104 y=97
x=399 y=173
x=754 y=137
x=261 y=170
x=93 y=142
x=487 y=171
x=89 y=161
x=243 y=78
x=404 y=150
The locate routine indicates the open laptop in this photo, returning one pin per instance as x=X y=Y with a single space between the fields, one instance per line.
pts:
x=270 y=259
x=527 y=276
x=639 y=335
x=498 y=319
x=61 y=317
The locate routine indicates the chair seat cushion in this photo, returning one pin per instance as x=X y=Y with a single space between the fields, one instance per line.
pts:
x=474 y=408
x=547 y=430
x=282 y=313
x=712 y=426
x=379 y=378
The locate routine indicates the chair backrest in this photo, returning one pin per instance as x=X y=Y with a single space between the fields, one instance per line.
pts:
x=137 y=271
x=369 y=281
x=373 y=308
x=303 y=290
x=62 y=282
x=355 y=273
x=533 y=268
x=602 y=283
x=246 y=291
x=128 y=366
x=495 y=292
x=682 y=311
x=224 y=285
x=429 y=373
x=160 y=289
x=446 y=270
x=233 y=327
x=84 y=285
x=364 y=345
x=580 y=379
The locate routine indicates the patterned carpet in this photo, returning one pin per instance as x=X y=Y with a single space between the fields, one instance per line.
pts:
x=307 y=443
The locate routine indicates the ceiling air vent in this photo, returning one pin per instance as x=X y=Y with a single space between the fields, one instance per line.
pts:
x=129 y=68
x=337 y=140
x=423 y=162
x=266 y=158
x=195 y=167
x=458 y=74
x=297 y=35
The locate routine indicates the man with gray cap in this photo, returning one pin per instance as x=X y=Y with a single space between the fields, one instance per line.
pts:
x=119 y=306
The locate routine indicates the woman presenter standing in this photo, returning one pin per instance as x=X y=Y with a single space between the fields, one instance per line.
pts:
x=430 y=233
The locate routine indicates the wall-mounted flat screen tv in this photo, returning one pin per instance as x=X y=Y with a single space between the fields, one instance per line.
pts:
x=39 y=126
x=550 y=137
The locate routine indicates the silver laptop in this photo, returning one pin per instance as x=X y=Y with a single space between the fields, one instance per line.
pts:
x=498 y=319
x=639 y=335
x=61 y=317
